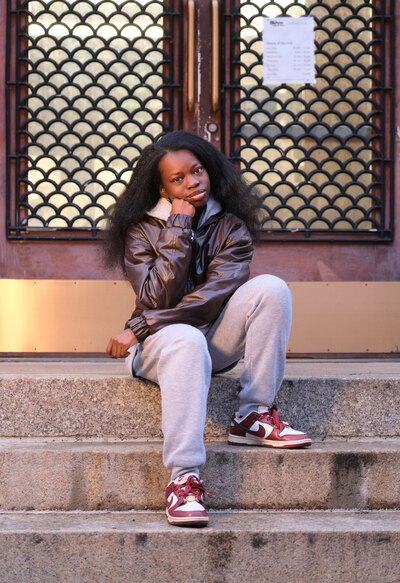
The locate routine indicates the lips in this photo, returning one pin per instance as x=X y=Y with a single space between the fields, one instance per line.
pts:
x=198 y=195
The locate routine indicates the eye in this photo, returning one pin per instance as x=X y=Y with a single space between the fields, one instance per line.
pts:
x=177 y=179
x=199 y=170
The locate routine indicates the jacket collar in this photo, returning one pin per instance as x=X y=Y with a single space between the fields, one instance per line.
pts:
x=163 y=208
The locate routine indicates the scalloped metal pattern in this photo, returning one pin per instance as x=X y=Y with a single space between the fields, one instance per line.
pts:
x=90 y=87
x=320 y=155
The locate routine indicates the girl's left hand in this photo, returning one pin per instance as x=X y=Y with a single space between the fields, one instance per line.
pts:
x=119 y=344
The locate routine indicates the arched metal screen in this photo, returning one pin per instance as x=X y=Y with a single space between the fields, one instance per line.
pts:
x=321 y=155
x=90 y=84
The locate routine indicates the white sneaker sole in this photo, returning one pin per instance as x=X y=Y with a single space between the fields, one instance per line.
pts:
x=187 y=520
x=253 y=440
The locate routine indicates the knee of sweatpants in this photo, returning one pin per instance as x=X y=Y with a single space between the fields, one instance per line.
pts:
x=187 y=339
x=272 y=288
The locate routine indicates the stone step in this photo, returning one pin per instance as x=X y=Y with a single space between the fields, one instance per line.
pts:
x=297 y=547
x=90 y=475
x=96 y=399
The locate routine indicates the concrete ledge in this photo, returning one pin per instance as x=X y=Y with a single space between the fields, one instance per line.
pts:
x=94 y=400
x=312 y=547
x=40 y=475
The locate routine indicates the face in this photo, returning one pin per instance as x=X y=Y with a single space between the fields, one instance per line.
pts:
x=183 y=176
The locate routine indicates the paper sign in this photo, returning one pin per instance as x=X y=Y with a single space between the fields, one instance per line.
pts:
x=289 y=50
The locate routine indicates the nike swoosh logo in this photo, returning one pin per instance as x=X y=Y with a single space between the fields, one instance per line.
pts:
x=261 y=432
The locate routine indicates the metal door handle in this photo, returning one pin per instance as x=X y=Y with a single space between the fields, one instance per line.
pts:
x=215 y=55
x=190 y=66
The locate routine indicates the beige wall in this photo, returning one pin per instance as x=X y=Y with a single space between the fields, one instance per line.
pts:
x=66 y=316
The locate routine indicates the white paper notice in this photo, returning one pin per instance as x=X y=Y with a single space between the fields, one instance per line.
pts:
x=289 y=50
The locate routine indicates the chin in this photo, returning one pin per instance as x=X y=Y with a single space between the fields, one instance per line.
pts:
x=201 y=203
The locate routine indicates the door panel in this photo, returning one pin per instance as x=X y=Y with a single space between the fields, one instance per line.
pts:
x=92 y=86
x=320 y=155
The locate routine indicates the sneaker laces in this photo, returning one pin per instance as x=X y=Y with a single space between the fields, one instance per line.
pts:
x=272 y=416
x=192 y=487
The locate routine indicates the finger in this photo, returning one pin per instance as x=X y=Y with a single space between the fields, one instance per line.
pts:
x=124 y=351
x=115 y=347
x=109 y=346
x=121 y=350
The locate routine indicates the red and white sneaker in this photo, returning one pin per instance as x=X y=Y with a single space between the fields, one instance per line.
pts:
x=184 y=497
x=265 y=429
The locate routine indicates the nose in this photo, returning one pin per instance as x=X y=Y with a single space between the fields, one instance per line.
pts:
x=192 y=181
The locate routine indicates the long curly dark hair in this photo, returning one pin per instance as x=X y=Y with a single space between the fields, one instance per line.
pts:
x=143 y=191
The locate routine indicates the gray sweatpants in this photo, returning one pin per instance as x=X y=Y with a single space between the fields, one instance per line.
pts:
x=255 y=324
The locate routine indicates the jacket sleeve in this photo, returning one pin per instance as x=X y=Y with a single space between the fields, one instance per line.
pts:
x=158 y=271
x=228 y=270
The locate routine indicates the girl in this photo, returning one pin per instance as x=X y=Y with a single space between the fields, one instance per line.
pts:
x=181 y=232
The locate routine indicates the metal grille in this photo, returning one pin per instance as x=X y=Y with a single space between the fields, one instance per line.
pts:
x=321 y=155
x=89 y=85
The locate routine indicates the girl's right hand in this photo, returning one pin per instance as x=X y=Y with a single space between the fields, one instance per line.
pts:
x=182 y=207
x=119 y=344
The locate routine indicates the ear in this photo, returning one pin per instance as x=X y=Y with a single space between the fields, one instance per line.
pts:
x=163 y=192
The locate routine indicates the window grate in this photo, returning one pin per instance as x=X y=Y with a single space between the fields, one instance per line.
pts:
x=321 y=156
x=90 y=84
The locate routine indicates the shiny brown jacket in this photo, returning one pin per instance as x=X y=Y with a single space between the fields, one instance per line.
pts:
x=185 y=276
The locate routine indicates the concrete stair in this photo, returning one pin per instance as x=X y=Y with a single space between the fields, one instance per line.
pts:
x=90 y=475
x=82 y=481
x=301 y=547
